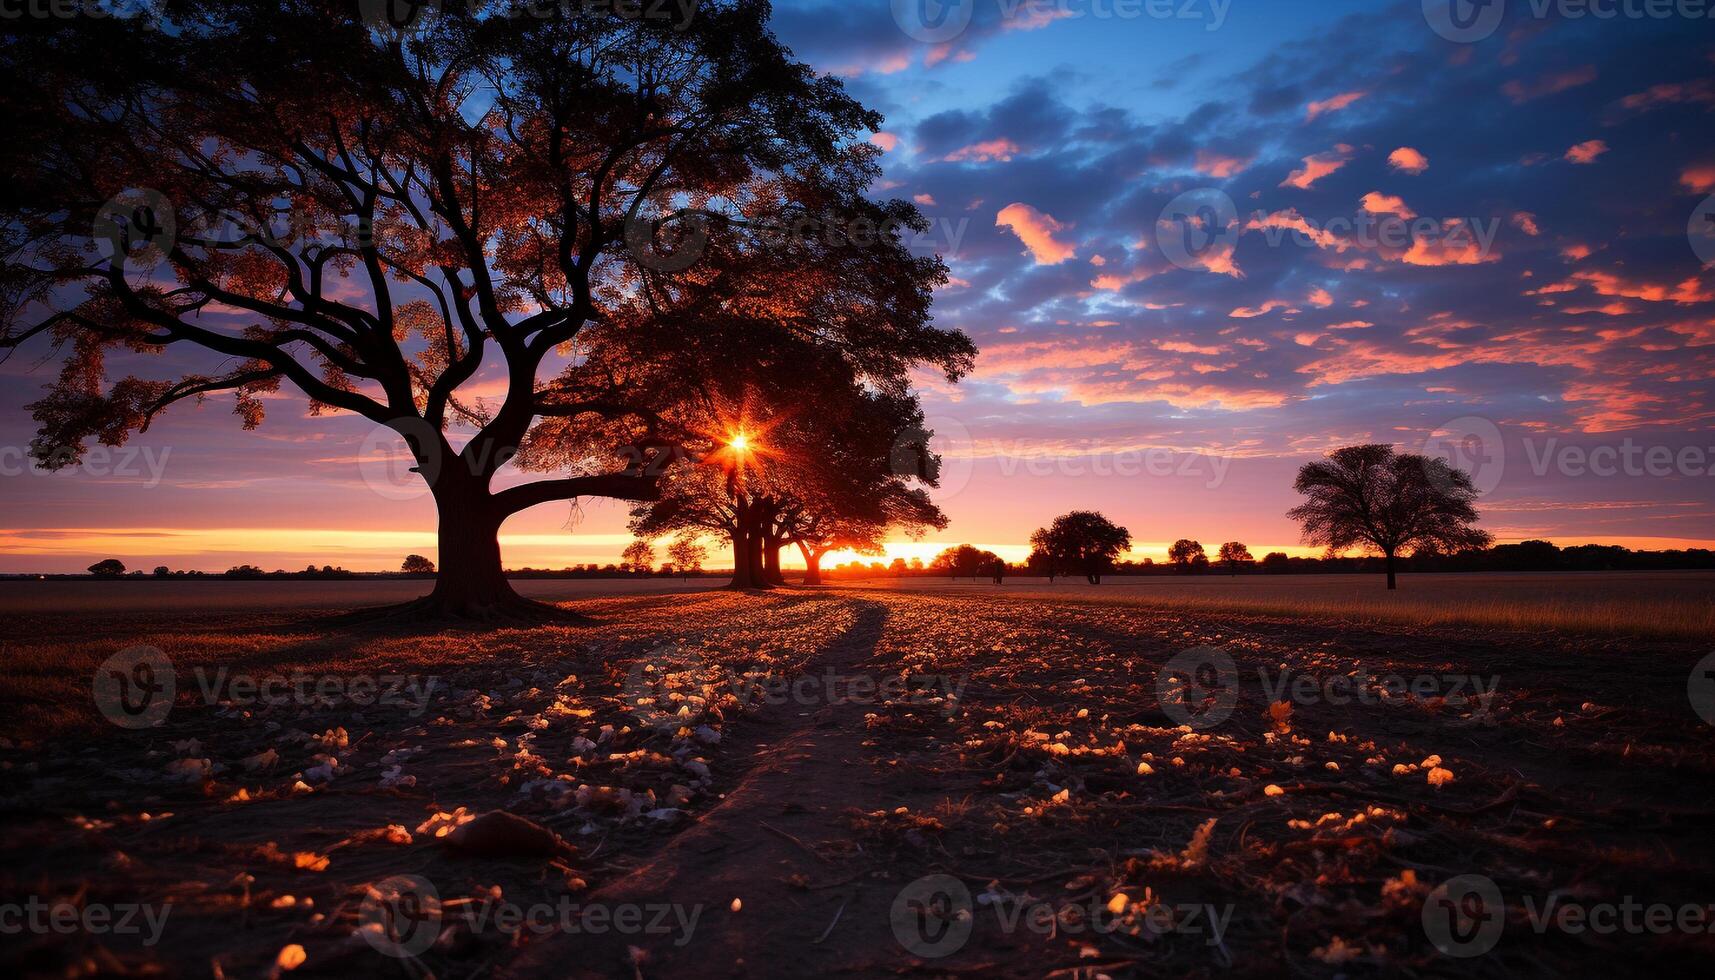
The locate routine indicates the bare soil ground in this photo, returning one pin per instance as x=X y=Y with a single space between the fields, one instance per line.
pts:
x=853 y=782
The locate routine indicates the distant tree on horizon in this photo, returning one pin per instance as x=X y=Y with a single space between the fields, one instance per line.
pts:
x=417 y=565
x=1082 y=542
x=639 y=555
x=1276 y=562
x=687 y=555
x=1233 y=554
x=1184 y=553
x=107 y=568
x=963 y=561
x=1392 y=502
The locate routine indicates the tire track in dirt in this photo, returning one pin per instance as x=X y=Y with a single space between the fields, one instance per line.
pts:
x=771 y=844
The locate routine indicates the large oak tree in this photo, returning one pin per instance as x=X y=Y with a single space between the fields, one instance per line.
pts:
x=546 y=195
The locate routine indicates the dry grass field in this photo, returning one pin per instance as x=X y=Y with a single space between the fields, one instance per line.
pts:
x=927 y=781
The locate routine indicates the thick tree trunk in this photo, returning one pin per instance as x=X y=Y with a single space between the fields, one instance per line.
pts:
x=1391 y=582
x=771 y=561
x=747 y=567
x=812 y=566
x=741 y=570
x=470 y=582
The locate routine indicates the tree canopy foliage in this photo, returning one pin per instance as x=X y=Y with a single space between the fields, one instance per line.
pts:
x=1394 y=503
x=606 y=215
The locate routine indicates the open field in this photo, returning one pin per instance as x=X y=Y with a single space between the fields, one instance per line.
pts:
x=1667 y=604
x=927 y=781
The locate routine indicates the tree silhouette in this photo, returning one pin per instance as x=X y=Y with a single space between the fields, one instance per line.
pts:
x=640 y=556
x=1082 y=542
x=1392 y=502
x=417 y=565
x=1233 y=554
x=963 y=561
x=687 y=555
x=839 y=475
x=107 y=568
x=1276 y=563
x=378 y=217
x=1185 y=553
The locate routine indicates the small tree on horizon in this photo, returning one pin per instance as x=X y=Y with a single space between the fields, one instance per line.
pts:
x=417 y=565
x=965 y=560
x=107 y=568
x=687 y=555
x=1184 y=553
x=1082 y=542
x=1233 y=554
x=1392 y=502
x=640 y=555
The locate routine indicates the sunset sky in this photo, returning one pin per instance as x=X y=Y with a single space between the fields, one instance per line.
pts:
x=1546 y=301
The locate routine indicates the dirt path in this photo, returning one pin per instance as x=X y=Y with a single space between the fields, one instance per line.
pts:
x=778 y=843
x=1303 y=832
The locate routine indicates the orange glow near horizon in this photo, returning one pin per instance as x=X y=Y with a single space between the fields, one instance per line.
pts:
x=216 y=548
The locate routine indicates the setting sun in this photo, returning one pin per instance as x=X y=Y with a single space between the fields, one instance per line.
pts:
x=740 y=442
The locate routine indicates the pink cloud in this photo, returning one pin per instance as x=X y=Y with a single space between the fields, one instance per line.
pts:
x=1184 y=347
x=1219 y=165
x=1001 y=149
x=1526 y=222
x=1332 y=104
x=1522 y=92
x=1669 y=93
x=1375 y=202
x=887 y=141
x=1036 y=230
x=927 y=200
x=1700 y=178
x=1291 y=220
x=1246 y=312
x=1587 y=151
x=1316 y=166
x=1407 y=160
x=1608 y=284
x=1321 y=297
x=1449 y=249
